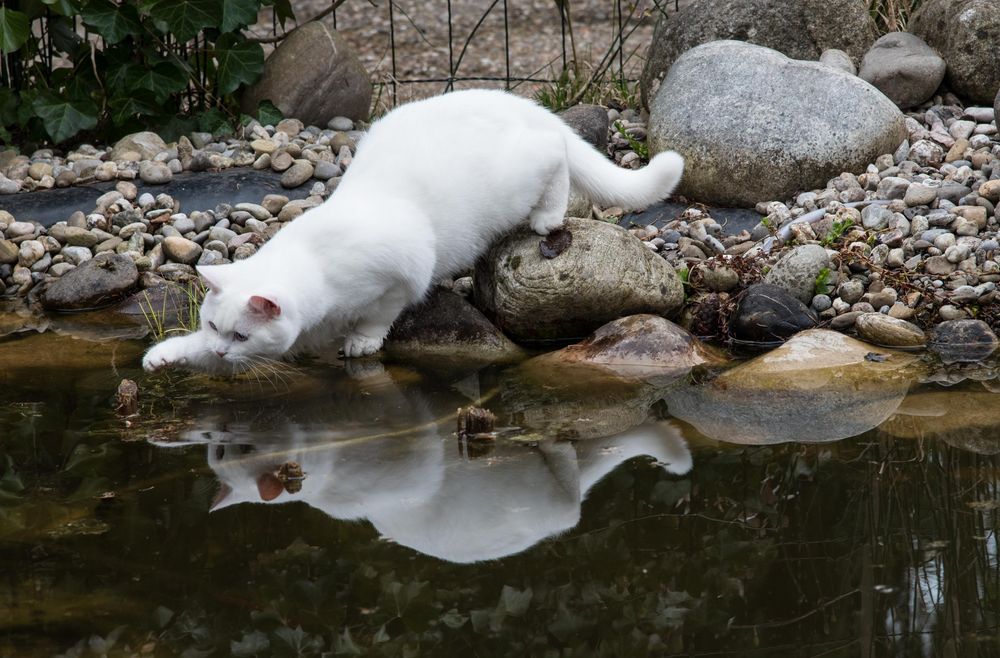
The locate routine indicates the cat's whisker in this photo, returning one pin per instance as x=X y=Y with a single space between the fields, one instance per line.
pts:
x=268 y=365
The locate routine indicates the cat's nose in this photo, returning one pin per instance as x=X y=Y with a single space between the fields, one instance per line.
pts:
x=221 y=353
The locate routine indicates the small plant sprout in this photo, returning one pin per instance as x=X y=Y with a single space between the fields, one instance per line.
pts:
x=823 y=284
x=641 y=148
x=837 y=231
x=186 y=310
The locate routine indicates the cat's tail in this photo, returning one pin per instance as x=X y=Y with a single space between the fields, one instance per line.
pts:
x=607 y=184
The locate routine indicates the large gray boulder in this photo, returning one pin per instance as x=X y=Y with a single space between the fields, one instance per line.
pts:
x=314 y=76
x=967 y=34
x=904 y=68
x=802 y=30
x=605 y=273
x=754 y=125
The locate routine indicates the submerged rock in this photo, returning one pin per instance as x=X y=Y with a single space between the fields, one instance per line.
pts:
x=819 y=386
x=645 y=347
x=605 y=273
x=967 y=419
x=445 y=325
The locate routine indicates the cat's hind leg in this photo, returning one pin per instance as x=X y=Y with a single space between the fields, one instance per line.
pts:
x=370 y=330
x=549 y=211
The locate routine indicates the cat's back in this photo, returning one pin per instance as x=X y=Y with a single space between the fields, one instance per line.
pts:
x=452 y=117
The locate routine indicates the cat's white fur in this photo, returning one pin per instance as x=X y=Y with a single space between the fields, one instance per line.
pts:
x=433 y=184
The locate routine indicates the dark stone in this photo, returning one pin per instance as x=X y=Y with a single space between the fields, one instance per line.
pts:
x=555 y=243
x=590 y=122
x=963 y=341
x=100 y=281
x=445 y=325
x=768 y=313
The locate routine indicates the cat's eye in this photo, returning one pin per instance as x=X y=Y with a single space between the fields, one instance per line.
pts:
x=212 y=325
x=238 y=337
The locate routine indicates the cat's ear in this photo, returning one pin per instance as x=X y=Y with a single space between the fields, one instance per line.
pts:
x=214 y=276
x=269 y=487
x=220 y=497
x=265 y=307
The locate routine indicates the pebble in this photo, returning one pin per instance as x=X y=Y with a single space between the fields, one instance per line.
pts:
x=182 y=250
x=155 y=173
x=30 y=252
x=297 y=174
x=76 y=255
x=889 y=331
x=324 y=170
x=340 y=124
x=255 y=210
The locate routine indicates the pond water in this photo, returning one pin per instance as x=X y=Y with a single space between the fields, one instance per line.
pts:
x=601 y=526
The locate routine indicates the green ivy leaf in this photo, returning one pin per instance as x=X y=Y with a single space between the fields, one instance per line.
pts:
x=238 y=62
x=14 y=29
x=183 y=18
x=283 y=10
x=132 y=105
x=237 y=14
x=113 y=22
x=252 y=644
x=268 y=114
x=63 y=7
x=172 y=129
x=8 y=107
x=64 y=118
x=161 y=80
x=214 y=121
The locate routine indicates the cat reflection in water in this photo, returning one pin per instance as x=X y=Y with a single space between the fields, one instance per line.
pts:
x=422 y=492
x=433 y=184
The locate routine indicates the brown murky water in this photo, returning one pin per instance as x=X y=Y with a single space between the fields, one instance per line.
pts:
x=618 y=520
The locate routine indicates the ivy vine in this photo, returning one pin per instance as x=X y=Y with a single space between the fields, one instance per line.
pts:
x=103 y=68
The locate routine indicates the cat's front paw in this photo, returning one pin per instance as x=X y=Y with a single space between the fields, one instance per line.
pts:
x=161 y=356
x=360 y=345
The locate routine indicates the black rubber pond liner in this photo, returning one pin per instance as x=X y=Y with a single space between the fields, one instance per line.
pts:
x=733 y=220
x=195 y=191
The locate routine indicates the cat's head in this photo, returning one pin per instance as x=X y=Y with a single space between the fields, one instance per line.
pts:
x=244 y=319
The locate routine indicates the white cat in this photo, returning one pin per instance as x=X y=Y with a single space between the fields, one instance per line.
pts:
x=432 y=185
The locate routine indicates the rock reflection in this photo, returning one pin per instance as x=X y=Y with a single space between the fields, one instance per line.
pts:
x=383 y=451
x=819 y=386
x=968 y=418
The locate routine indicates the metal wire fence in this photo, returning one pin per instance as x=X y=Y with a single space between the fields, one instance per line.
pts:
x=613 y=48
